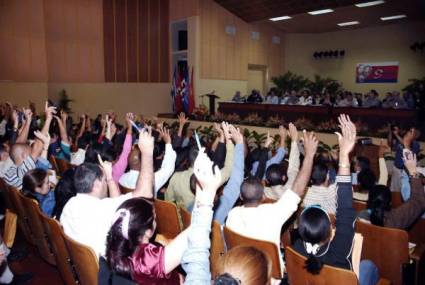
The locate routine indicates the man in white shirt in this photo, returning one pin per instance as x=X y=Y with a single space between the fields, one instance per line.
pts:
x=129 y=179
x=265 y=221
x=88 y=216
x=5 y=161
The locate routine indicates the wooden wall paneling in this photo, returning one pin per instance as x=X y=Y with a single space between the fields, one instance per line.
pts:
x=164 y=54
x=20 y=32
x=205 y=58
x=8 y=30
x=70 y=37
x=132 y=39
x=154 y=36
x=121 y=40
x=143 y=40
x=85 y=32
x=96 y=41
x=109 y=40
x=38 y=43
x=181 y=9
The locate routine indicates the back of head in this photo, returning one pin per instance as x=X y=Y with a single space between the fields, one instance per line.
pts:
x=85 y=176
x=276 y=174
x=363 y=162
x=193 y=154
x=319 y=173
x=366 y=179
x=379 y=202
x=134 y=159
x=133 y=218
x=33 y=179
x=243 y=265
x=18 y=152
x=252 y=190
x=314 y=229
x=64 y=191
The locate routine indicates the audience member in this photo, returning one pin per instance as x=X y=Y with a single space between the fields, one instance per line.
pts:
x=254 y=97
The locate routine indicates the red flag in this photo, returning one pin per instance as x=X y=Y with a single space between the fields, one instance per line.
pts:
x=191 y=94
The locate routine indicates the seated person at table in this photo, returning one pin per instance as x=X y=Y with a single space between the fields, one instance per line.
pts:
x=279 y=177
x=394 y=100
x=379 y=210
x=305 y=98
x=290 y=99
x=238 y=98
x=327 y=100
x=272 y=97
x=314 y=227
x=252 y=216
x=254 y=97
x=372 y=100
x=348 y=100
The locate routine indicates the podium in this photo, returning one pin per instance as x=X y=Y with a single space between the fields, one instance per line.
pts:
x=212 y=98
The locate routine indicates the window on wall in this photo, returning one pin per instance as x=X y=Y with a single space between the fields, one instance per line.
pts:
x=136 y=40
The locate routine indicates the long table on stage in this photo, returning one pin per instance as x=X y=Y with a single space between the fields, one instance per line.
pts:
x=373 y=117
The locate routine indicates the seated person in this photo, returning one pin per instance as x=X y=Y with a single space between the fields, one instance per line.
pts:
x=348 y=100
x=129 y=179
x=36 y=185
x=87 y=217
x=272 y=97
x=305 y=98
x=252 y=216
x=5 y=160
x=64 y=191
x=238 y=98
x=280 y=178
x=372 y=100
x=316 y=241
x=292 y=98
x=254 y=97
x=379 y=210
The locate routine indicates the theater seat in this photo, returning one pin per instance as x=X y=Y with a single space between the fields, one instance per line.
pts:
x=186 y=217
x=63 y=165
x=217 y=246
x=125 y=190
x=85 y=261
x=23 y=221
x=234 y=239
x=387 y=248
x=167 y=219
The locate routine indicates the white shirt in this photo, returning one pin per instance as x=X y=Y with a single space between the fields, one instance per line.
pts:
x=4 y=166
x=323 y=196
x=3 y=124
x=78 y=157
x=87 y=219
x=129 y=179
x=265 y=221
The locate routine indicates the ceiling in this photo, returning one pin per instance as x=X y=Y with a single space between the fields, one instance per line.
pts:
x=344 y=11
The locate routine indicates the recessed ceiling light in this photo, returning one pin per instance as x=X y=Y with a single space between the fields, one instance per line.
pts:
x=368 y=4
x=348 y=23
x=280 y=18
x=393 y=17
x=318 y=12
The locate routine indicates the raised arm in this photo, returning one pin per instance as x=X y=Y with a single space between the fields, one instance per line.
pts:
x=196 y=256
x=182 y=121
x=310 y=147
x=168 y=163
x=294 y=155
x=383 y=171
x=62 y=127
x=144 y=185
x=82 y=128
x=23 y=135
x=114 y=190
x=37 y=147
x=121 y=164
x=228 y=162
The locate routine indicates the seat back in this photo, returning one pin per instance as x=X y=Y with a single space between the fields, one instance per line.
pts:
x=9 y=232
x=217 y=246
x=4 y=189
x=125 y=190
x=186 y=217
x=386 y=247
x=23 y=222
x=234 y=239
x=54 y=164
x=62 y=257
x=167 y=219
x=37 y=228
x=85 y=260
x=396 y=199
x=359 y=206
x=63 y=165
x=298 y=275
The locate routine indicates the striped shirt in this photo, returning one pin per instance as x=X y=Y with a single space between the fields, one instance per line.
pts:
x=323 y=196
x=15 y=174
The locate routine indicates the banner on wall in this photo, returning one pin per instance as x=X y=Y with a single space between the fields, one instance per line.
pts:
x=377 y=72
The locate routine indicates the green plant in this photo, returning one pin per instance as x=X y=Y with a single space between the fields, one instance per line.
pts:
x=257 y=138
x=320 y=85
x=205 y=133
x=417 y=86
x=290 y=81
x=64 y=101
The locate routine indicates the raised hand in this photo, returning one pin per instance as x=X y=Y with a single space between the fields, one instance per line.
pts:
x=410 y=162
x=165 y=135
x=268 y=141
x=146 y=142
x=293 y=132
x=15 y=118
x=182 y=119
x=49 y=111
x=347 y=139
x=64 y=116
x=283 y=132
x=45 y=138
x=310 y=144
x=106 y=167
x=28 y=114
x=220 y=132
x=236 y=134
x=226 y=131
x=208 y=178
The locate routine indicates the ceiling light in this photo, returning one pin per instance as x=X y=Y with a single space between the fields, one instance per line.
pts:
x=393 y=17
x=368 y=4
x=280 y=18
x=348 y=23
x=318 y=12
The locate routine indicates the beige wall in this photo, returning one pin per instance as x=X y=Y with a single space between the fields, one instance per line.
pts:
x=23 y=93
x=375 y=44
x=93 y=98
